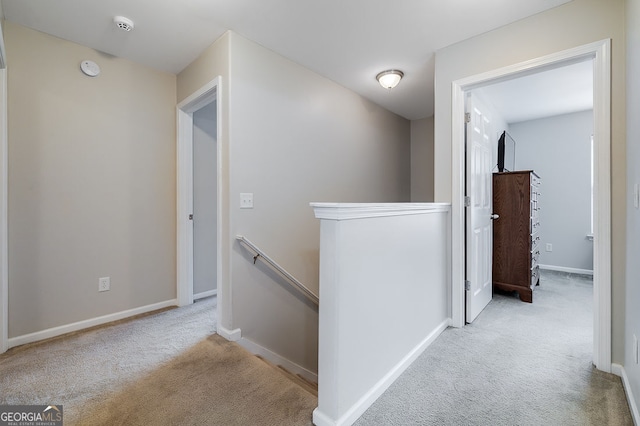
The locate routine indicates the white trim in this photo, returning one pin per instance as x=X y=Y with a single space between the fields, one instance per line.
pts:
x=602 y=211
x=619 y=370
x=81 y=325
x=4 y=225
x=600 y=52
x=201 y=97
x=357 y=409
x=184 y=147
x=347 y=211
x=204 y=294
x=566 y=269
x=230 y=335
x=276 y=359
x=3 y=52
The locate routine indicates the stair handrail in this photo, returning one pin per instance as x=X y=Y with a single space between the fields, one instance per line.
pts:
x=259 y=254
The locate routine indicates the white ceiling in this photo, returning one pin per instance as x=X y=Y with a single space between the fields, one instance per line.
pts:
x=347 y=41
x=545 y=94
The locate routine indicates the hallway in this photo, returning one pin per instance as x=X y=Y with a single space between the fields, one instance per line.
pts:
x=518 y=363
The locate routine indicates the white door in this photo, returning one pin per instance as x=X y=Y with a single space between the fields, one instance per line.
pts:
x=479 y=232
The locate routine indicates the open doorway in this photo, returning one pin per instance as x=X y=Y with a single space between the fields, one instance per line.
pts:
x=546 y=119
x=199 y=192
x=599 y=53
x=205 y=201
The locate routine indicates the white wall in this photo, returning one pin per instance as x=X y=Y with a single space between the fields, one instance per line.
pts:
x=291 y=137
x=204 y=199
x=384 y=297
x=91 y=183
x=573 y=24
x=558 y=149
x=297 y=137
x=632 y=319
x=422 y=160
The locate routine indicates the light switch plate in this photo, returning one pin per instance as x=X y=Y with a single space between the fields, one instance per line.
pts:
x=246 y=200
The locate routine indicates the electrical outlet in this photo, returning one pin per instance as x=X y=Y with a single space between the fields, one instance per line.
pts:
x=549 y=247
x=246 y=200
x=104 y=284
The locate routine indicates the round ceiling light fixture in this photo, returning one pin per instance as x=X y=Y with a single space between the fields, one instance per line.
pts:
x=389 y=78
x=123 y=23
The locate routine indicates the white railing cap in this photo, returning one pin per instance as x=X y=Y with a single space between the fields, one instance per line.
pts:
x=345 y=211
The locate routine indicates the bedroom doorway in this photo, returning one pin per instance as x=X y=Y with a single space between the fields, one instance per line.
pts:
x=599 y=52
x=546 y=120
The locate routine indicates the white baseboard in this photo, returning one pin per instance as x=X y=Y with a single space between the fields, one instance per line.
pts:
x=565 y=269
x=619 y=370
x=276 y=359
x=321 y=419
x=80 y=325
x=230 y=335
x=205 y=294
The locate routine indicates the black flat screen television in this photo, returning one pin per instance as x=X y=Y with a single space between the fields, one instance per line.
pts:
x=506 y=153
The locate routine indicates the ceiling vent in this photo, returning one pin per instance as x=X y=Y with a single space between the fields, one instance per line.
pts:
x=123 y=23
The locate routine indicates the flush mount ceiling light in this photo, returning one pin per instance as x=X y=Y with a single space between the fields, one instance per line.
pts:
x=389 y=78
x=123 y=23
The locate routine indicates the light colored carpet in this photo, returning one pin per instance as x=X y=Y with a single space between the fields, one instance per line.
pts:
x=163 y=369
x=517 y=364
x=78 y=368
x=215 y=382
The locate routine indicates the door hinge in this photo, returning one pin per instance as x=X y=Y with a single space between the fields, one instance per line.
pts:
x=467 y=201
x=467 y=117
x=467 y=285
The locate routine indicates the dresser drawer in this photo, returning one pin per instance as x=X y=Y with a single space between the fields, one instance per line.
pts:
x=535 y=180
x=535 y=255
x=535 y=275
x=535 y=240
x=535 y=225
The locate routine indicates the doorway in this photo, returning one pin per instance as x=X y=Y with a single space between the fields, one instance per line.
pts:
x=599 y=52
x=545 y=121
x=205 y=201
x=199 y=193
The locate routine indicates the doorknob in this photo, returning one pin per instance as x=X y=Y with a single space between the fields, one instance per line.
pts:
x=495 y=216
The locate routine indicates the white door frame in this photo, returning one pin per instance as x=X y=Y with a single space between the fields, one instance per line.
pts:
x=4 y=190
x=600 y=52
x=208 y=93
x=4 y=226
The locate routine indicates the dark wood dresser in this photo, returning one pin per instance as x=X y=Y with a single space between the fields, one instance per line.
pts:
x=515 y=232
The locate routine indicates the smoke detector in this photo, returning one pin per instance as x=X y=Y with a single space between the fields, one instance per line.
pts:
x=123 y=23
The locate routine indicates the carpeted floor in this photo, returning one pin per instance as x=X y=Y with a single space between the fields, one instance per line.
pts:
x=164 y=368
x=77 y=369
x=517 y=364
x=212 y=383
